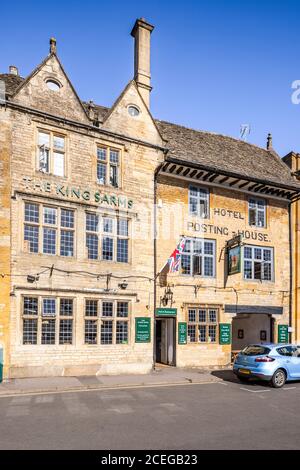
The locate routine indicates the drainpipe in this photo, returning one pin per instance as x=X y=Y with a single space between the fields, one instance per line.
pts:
x=156 y=173
x=291 y=270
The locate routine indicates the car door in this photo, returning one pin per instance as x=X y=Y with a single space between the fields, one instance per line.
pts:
x=286 y=354
x=294 y=363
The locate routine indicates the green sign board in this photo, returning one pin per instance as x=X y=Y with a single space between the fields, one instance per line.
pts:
x=166 y=312
x=182 y=333
x=225 y=333
x=283 y=334
x=142 y=330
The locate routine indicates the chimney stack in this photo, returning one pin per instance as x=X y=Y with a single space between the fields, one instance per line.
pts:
x=269 y=142
x=13 y=70
x=52 y=46
x=141 y=33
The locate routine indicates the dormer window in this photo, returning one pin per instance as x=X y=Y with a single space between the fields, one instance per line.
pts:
x=53 y=85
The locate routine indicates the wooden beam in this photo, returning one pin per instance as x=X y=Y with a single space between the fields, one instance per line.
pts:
x=179 y=170
x=234 y=182
x=244 y=184
x=213 y=177
x=223 y=180
x=205 y=177
x=186 y=171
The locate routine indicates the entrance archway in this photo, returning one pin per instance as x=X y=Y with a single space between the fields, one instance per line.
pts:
x=251 y=328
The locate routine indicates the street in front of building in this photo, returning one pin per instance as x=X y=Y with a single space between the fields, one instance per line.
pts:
x=217 y=415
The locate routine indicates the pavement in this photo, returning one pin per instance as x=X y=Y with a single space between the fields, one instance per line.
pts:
x=161 y=376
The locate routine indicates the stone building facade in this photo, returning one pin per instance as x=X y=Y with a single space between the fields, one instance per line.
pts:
x=94 y=201
x=293 y=162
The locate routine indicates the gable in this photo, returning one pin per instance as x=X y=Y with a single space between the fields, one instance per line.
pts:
x=35 y=93
x=141 y=127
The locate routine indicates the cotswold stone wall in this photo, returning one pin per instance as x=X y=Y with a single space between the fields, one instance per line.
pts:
x=133 y=200
x=228 y=216
x=5 y=154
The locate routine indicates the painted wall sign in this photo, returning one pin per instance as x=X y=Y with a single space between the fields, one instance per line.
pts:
x=234 y=260
x=212 y=229
x=166 y=312
x=182 y=333
x=229 y=213
x=283 y=334
x=225 y=333
x=142 y=330
x=77 y=194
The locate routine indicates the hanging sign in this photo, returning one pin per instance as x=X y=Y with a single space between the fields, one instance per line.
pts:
x=234 y=255
x=234 y=260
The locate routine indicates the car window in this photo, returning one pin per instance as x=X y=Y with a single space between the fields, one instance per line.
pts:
x=287 y=351
x=255 y=350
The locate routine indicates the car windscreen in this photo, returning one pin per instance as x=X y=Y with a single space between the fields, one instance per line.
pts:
x=255 y=350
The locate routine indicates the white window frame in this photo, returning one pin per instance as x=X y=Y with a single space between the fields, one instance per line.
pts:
x=198 y=199
x=255 y=201
x=51 y=150
x=114 y=235
x=202 y=242
x=254 y=259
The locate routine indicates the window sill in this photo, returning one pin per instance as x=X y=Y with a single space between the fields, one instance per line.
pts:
x=109 y=186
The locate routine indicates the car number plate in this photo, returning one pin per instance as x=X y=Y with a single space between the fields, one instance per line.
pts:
x=244 y=371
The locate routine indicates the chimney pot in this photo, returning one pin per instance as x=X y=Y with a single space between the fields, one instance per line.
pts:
x=141 y=33
x=13 y=70
x=52 y=46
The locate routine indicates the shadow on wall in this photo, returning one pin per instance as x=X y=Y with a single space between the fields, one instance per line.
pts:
x=1 y=363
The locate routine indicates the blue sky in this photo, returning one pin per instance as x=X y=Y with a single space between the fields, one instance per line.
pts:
x=216 y=64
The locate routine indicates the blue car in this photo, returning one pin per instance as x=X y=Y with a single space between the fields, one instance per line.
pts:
x=274 y=363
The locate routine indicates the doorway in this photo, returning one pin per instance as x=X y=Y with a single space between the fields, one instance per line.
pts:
x=165 y=341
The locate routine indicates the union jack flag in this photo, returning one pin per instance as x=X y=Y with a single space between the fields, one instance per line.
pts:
x=174 y=260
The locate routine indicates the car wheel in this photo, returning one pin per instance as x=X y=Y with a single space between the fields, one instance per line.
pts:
x=278 y=379
x=243 y=379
